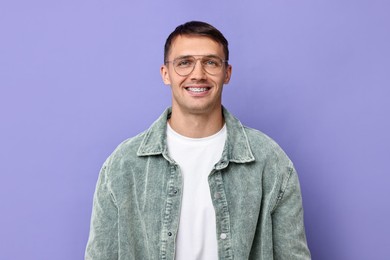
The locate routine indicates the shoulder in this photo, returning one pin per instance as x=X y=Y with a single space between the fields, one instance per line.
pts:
x=254 y=143
x=126 y=150
x=278 y=171
x=264 y=148
x=133 y=151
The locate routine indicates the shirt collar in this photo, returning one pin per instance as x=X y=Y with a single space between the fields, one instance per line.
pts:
x=237 y=148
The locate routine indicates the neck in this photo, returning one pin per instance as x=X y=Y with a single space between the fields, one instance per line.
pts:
x=196 y=125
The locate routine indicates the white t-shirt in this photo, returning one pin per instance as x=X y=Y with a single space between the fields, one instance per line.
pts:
x=196 y=238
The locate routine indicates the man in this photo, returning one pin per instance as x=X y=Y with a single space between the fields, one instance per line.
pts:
x=197 y=184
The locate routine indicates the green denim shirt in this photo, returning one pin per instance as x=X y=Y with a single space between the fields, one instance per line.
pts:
x=254 y=188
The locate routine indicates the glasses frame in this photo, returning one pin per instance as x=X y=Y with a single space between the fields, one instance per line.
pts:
x=200 y=57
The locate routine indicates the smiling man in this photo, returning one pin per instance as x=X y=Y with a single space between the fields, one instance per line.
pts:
x=197 y=184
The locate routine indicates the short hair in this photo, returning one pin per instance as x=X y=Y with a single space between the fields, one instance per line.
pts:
x=197 y=28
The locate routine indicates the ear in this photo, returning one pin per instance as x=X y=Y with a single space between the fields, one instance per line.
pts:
x=228 y=74
x=165 y=75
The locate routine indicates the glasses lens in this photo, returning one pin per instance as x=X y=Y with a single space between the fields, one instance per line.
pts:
x=185 y=65
x=212 y=65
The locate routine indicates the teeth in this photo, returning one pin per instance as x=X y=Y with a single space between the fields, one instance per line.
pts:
x=197 y=89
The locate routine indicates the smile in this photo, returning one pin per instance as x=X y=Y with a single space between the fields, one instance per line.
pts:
x=197 y=90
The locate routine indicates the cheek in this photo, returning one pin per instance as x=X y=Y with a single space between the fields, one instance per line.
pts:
x=177 y=80
x=221 y=81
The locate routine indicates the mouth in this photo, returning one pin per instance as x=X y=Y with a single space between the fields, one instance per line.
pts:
x=197 y=89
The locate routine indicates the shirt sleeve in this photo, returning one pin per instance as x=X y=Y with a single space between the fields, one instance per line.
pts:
x=103 y=236
x=289 y=237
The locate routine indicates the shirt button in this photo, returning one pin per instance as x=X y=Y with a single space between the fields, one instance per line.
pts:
x=169 y=233
x=174 y=191
x=223 y=236
x=217 y=195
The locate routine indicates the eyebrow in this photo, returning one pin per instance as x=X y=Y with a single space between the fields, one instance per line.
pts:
x=207 y=55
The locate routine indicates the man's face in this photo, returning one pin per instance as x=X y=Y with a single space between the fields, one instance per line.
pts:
x=198 y=92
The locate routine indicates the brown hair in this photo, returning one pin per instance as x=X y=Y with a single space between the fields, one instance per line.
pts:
x=197 y=28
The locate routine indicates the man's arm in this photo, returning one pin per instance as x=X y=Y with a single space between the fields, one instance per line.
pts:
x=103 y=236
x=289 y=237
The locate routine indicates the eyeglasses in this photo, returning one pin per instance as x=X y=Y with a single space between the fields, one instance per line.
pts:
x=185 y=65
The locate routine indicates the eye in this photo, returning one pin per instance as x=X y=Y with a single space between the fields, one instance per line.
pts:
x=185 y=62
x=212 y=62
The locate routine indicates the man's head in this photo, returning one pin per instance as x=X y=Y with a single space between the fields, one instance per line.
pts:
x=196 y=28
x=196 y=68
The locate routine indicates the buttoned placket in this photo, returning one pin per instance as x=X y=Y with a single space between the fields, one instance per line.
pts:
x=221 y=212
x=171 y=213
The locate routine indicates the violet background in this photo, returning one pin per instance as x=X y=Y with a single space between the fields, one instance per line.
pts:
x=78 y=77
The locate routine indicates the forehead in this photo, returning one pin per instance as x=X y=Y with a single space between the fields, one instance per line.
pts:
x=195 y=45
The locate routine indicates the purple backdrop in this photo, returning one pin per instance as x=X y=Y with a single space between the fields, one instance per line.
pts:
x=78 y=77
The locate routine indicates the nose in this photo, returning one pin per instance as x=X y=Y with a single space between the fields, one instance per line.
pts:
x=198 y=72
